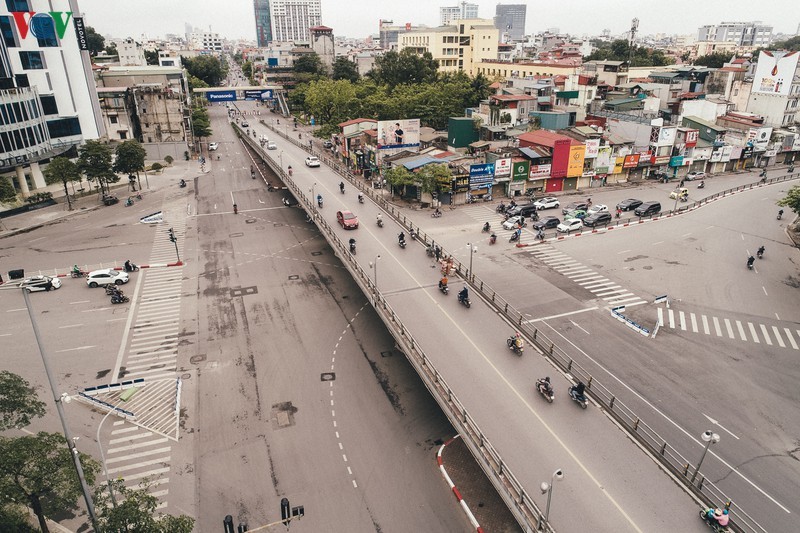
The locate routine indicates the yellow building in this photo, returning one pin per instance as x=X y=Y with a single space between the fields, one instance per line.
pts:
x=495 y=70
x=459 y=47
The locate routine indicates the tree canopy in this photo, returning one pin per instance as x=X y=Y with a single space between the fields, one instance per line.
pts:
x=714 y=60
x=130 y=157
x=792 y=199
x=792 y=44
x=135 y=510
x=344 y=69
x=63 y=170
x=94 y=160
x=94 y=41
x=619 y=50
x=308 y=67
x=207 y=68
x=151 y=56
x=19 y=402
x=201 y=124
x=393 y=68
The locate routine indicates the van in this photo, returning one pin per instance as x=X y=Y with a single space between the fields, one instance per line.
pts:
x=647 y=209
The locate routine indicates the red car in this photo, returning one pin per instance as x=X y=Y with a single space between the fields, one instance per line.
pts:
x=347 y=219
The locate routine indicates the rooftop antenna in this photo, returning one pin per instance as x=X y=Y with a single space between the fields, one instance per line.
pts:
x=632 y=42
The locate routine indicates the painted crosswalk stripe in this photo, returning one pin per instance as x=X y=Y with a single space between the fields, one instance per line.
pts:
x=616 y=297
x=660 y=316
x=717 y=328
x=753 y=333
x=694 y=322
x=729 y=328
x=586 y=279
x=598 y=283
x=778 y=337
x=628 y=301
x=579 y=273
x=682 y=319
x=741 y=330
x=671 y=315
x=766 y=334
x=705 y=325
x=605 y=291
x=790 y=337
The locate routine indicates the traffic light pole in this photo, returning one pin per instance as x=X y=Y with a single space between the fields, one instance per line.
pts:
x=174 y=239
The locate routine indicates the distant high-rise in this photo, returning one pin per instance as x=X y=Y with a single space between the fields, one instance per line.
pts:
x=463 y=11
x=510 y=20
x=754 y=33
x=263 y=23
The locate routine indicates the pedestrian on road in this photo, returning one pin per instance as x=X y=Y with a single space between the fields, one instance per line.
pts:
x=437 y=252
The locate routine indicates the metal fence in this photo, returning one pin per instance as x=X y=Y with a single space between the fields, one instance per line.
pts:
x=523 y=506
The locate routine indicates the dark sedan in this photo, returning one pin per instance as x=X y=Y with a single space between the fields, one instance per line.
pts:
x=546 y=223
x=629 y=205
x=583 y=206
x=597 y=219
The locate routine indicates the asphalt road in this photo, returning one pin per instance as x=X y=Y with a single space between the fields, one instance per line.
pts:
x=606 y=472
x=298 y=390
x=708 y=374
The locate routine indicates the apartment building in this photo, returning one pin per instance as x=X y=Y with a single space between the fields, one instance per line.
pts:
x=459 y=47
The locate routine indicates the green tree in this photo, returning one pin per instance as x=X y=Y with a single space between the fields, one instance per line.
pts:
x=619 y=50
x=344 y=69
x=130 y=158
x=63 y=170
x=308 y=64
x=111 y=50
x=196 y=83
x=136 y=511
x=207 y=68
x=94 y=41
x=94 y=160
x=201 y=125
x=792 y=199
x=247 y=70
x=39 y=471
x=151 y=56
x=19 y=402
x=394 y=68
x=330 y=100
x=792 y=44
x=14 y=518
x=434 y=178
x=713 y=60
x=7 y=192
x=399 y=177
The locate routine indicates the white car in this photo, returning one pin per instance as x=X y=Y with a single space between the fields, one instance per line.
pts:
x=547 y=203
x=597 y=208
x=695 y=175
x=271 y=145
x=514 y=222
x=40 y=283
x=106 y=276
x=212 y=146
x=569 y=225
x=312 y=161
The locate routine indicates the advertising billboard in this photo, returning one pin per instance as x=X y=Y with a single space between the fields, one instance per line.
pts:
x=603 y=161
x=521 y=170
x=221 y=96
x=481 y=176
x=775 y=72
x=540 y=171
x=502 y=167
x=576 y=158
x=631 y=161
x=258 y=94
x=402 y=133
x=592 y=147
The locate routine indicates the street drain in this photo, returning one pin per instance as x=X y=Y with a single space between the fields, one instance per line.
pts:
x=294 y=277
x=283 y=415
x=386 y=354
x=199 y=358
x=232 y=235
x=316 y=253
x=250 y=221
x=328 y=376
x=243 y=291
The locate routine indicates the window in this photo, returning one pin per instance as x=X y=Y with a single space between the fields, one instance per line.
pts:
x=123 y=134
x=44 y=26
x=64 y=127
x=9 y=35
x=49 y=105
x=22 y=80
x=18 y=5
x=31 y=60
x=113 y=119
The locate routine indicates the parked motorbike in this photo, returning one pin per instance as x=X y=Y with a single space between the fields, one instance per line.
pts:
x=129 y=202
x=119 y=299
x=576 y=392
x=511 y=342
x=352 y=246
x=545 y=389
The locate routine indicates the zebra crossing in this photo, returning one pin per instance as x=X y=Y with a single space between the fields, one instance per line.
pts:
x=603 y=288
x=768 y=334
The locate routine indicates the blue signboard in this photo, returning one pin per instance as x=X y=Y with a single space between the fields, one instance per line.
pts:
x=221 y=96
x=481 y=176
x=258 y=94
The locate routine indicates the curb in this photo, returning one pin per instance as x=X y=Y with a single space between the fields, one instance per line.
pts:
x=452 y=486
x=154 y=265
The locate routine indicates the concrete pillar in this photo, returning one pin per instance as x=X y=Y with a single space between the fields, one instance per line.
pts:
x=23 y=183
x=37 y=177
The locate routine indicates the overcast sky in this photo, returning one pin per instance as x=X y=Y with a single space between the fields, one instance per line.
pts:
x=359 y=18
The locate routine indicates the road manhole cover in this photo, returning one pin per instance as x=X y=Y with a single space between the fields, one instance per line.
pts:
x=294 y=277
x=386 y=354
x=278 y=225
x=250 y=221
x=283 y=415
x=199 y=358
x=232 y=235
x=328 y=376
x=243 y=291
x=316 y=253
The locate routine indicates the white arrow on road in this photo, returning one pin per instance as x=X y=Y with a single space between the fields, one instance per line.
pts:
x=720 y=426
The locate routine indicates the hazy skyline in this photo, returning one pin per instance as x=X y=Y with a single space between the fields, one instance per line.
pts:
x=359 y=18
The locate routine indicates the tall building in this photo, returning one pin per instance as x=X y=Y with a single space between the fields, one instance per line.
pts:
x=459 y=47
x=291 y=19
x=322 y=43
x=753 y=34
x=465 y=10
x=263 y=23
x=510 y=20
x=47 y=93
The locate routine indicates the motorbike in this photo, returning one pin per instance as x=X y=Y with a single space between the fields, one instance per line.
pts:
x=253 y=175
x=443 y=287
x=578 y=397
x=430 y=251
x=119 y=299
x=319 y=201
x=514 y=237
x=352 y=246
x=111 y=290
x=535 y=217
x=401 y=243
x=790 y=169
x=131 y=267
x=529 y=193
x=545 y=389
x=715 y=527
x=235 y=209
x=464 y=300
x=702 y=185
x=182 y=184
x=511 y=342
x=492 y=238
x=129 y=202
x=360 y=198
x=780 y=214
x=500 y=208
x=380 y=222
x=750 y=262
x=77 y=273
x=760 y=253
x=436 y=214
x=486 y=228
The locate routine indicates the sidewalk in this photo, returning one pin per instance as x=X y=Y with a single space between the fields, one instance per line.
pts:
x=36 y=218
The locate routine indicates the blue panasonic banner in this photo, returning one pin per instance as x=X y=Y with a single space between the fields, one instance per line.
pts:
x=258 y=94
x=221 y=96
x=481 y=176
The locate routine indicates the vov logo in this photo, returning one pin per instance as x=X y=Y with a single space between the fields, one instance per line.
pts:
x=42 y=25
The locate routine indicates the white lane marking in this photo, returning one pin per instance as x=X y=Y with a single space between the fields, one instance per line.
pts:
x=723 y=428
x=559 y=316
x=694 y=322
x=741 y=330
x=753 y=333
x=588 y=276
x=595 y=284
x=790 y=337
x=690 y=436
x=705 y=325
x=660 y=316
x=115 y=319
x=778 y=337
x=80 y=302
x=765 y=291
x=717 y=327
x=671 y=316
x=15 y=310
x=682 y=320
x=657 y=242
x=686 y=234
x=766 y=334
x=580 y=328
x=70 y=326
x=39 y=239
x=729 y=328
x=623 y=252
x=5 y=334
x=74 y=349
x=629 y=301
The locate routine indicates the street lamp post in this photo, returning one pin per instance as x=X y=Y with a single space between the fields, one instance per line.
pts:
x=313 y=196
x=709 y=437
x=280 y=158
x=547 y=488
x=472 y=249
x=103 y=457
x=374 y=266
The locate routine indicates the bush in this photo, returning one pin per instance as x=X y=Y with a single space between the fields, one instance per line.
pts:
x=169 y=159
x=39 y=197
x=155 y=167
